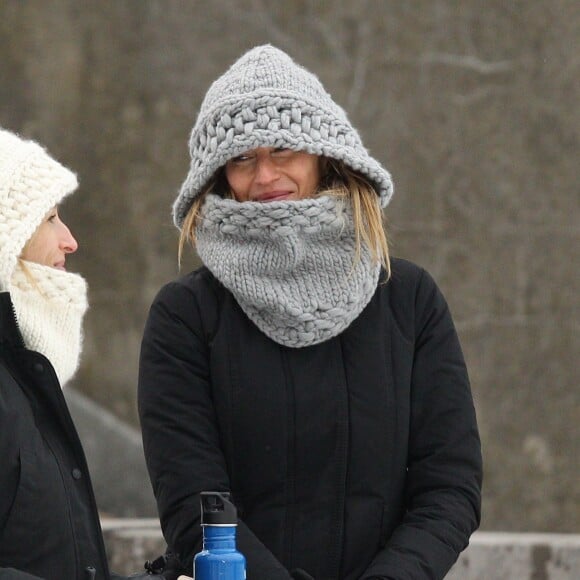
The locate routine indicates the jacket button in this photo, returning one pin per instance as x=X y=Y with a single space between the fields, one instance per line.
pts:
x=38 y=367
x=76 y=473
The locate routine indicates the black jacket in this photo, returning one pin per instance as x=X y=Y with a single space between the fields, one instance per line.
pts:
x=49 y=525
x=355 y=458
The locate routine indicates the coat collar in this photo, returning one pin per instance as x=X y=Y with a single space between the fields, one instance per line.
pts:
x=10 y=336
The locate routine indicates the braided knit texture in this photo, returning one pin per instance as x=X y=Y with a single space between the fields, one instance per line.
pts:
x=289 y=264
x=50 y=305
x=31 y=183
x=265 y=99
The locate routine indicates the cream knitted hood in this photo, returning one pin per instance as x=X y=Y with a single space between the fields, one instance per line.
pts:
x=49 y=304
x=31 y=182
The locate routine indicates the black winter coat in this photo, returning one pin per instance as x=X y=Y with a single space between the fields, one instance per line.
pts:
x=355 y=458
x=49 y=525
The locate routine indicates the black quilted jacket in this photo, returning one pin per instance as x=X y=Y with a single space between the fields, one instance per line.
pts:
x=49 y=525
x=355 y=458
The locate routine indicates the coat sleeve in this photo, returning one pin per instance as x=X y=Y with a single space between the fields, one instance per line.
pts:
x=12 y=574
x=9 y=477
x=444 y=465
x=180 y=428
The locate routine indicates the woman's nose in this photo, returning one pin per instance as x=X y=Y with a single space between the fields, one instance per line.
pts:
x=266 y=171
x=69 y=244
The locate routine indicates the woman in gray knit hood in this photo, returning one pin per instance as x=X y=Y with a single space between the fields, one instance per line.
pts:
x=303 y=369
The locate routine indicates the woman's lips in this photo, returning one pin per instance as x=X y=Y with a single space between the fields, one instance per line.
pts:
x=274 y=196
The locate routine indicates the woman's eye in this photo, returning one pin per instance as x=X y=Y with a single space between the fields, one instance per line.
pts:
x=240 y=158
x=52 y=217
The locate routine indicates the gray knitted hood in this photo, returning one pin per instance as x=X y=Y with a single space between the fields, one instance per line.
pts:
x=265 y=99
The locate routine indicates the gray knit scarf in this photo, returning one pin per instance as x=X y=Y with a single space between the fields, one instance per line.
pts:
x=289 y=264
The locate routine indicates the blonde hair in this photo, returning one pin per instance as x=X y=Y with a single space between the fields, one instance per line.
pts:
x=218 y=185
x=338 y=180
x=369 y=224
x=29 y=276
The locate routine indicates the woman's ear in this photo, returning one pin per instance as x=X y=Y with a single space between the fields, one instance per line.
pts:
x=323 y=167
x=325 y=171
x=330 y=174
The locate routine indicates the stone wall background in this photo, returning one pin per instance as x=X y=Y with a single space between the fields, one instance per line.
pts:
x=473 y=107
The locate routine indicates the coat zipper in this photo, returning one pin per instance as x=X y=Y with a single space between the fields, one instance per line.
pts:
x=291 y=462
x=19 y=338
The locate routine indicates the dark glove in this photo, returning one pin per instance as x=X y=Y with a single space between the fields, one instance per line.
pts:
x=166 y=567
x=141 y=576
x=300 y=574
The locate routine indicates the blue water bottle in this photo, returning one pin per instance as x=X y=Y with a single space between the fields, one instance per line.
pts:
x=219 y=559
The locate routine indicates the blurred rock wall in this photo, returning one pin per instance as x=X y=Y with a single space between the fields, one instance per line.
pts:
x=489 y=556
x=473 y=106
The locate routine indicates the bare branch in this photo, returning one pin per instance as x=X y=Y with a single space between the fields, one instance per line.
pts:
x=360 y=64
x=477 y=95
x=467 y=62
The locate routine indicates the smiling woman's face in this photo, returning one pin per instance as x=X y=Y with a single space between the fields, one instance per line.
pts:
x=270 y=174
x=50 y=243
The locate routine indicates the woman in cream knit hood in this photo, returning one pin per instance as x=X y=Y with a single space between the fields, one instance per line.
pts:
x=49 y=523
x=49 y=302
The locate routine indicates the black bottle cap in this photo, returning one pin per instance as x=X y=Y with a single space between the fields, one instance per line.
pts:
x=217 y=509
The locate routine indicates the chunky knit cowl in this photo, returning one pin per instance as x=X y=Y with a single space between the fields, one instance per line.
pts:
x=50 y=305
x=290 y=264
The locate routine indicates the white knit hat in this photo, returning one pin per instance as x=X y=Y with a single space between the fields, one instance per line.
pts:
x=265 y=99
x=31 y=182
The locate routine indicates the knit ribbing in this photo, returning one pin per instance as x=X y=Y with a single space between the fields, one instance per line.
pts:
x=289 y=264
x=50 y=305
x=265 y=99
